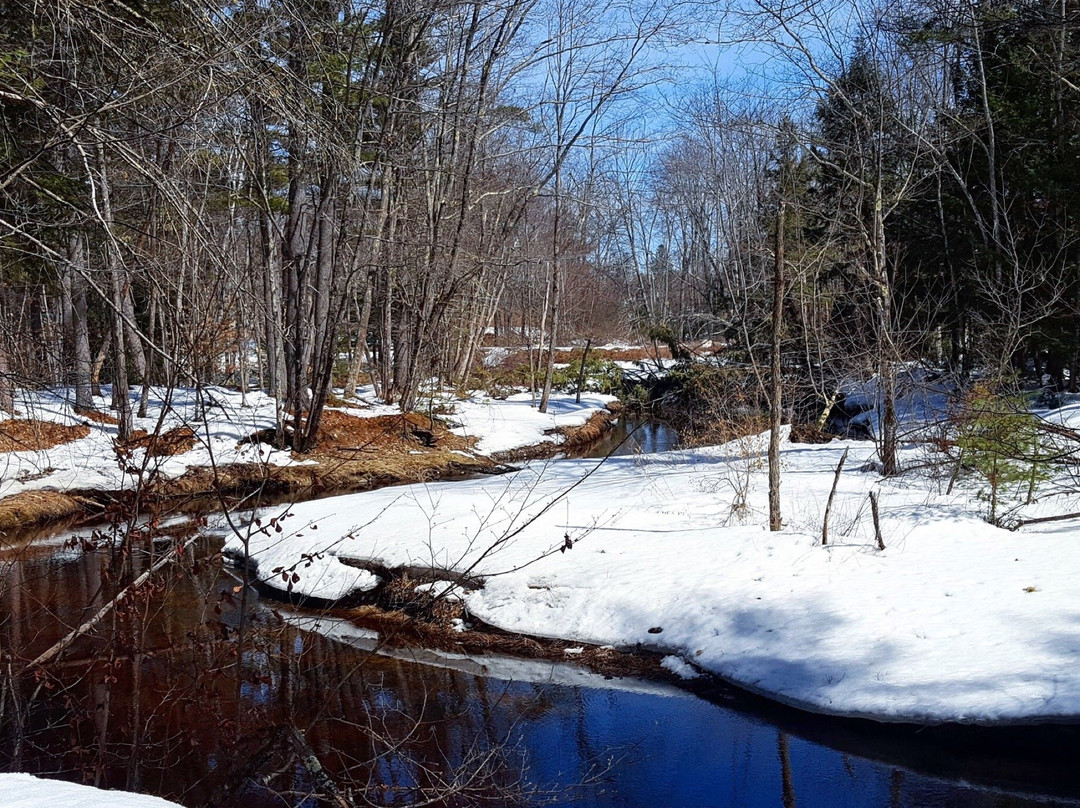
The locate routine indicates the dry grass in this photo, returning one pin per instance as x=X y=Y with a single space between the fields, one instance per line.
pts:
x=345 y=435
x=327 y=474
x=167 y=444
x=575 y=437
x=632 y=354
x=38 y=508
x=98 y=417
x=589 y=432
x=23 y=435
x=809 y=433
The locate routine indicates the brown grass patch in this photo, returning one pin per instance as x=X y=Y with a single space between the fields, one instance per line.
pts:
x=329 y=474
x=575 y=437
x=39 y=508
x=809 y=433
x=633 y=354
x=22 y=435
x=589 y=432
x=167 y=444
x=98 y=417
x=342 y=434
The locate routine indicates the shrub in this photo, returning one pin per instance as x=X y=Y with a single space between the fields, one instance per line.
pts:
x=999 y=439
x=601 y=376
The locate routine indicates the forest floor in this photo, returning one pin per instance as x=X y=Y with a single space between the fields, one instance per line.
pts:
x=56 y=463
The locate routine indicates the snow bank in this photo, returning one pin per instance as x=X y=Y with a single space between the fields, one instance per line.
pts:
x=955 y=621
x=923 y=400
x=27 y=791
x=505 y=424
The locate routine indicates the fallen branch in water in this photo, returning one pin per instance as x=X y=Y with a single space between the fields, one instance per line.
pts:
x=88 y=626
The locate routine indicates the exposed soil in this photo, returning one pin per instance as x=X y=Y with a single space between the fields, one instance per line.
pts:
x=25 y=435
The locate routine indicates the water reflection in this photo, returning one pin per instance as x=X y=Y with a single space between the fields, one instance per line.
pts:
x=173 y=706
x=632 y=435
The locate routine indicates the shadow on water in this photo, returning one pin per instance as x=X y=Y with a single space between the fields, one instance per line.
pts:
x=632 y=435
x=166 y=700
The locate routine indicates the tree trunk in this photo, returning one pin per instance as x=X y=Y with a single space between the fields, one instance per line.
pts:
x=121 y=397
x=776 y=382
x=144 y=397
x=80 y=330
x=360 y=354
x=135 y=351
x=886 y=349
x=553 y=317
x=581 y=373
x=555 y=296
x=99 y=363
x=7 y=383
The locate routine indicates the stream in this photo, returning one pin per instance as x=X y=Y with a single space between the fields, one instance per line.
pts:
x=634 y=435
x=201 y=692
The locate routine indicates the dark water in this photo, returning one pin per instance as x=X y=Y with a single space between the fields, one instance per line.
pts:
x=633 y=435
x=201 y=693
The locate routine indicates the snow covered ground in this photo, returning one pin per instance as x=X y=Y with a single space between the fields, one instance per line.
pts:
x=220 y=418
x=217 y=419
x=955 y=620
x=27 y=791
x=513 y=422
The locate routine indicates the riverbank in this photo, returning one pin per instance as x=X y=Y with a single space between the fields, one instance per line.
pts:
x=956 y=621
x=214 y=443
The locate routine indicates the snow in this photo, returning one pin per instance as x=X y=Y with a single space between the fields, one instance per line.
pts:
x=493 y=357
x=679 y=666
x=513 y=422
x=221 y=418
x=27 y=791
x=956 y=620
x=923 y=400
x=217 y=418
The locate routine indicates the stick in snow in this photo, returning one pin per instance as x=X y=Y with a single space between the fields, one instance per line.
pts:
x=832 y=495
x=877 y=521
